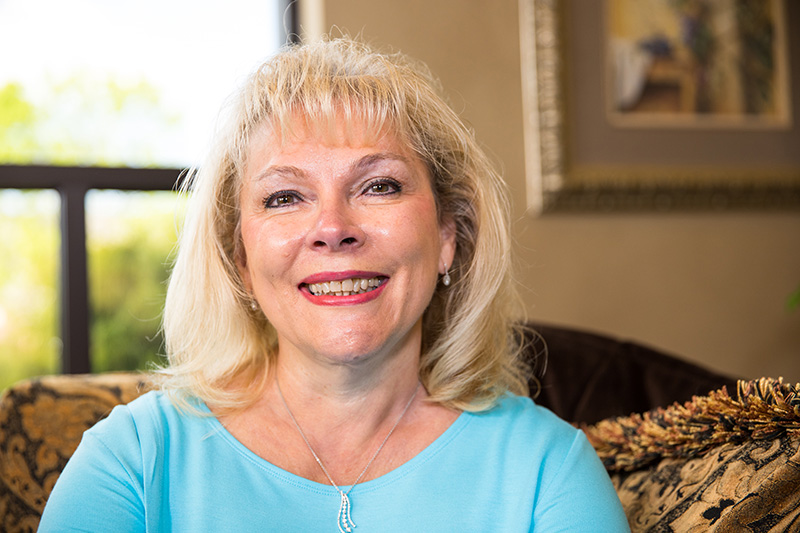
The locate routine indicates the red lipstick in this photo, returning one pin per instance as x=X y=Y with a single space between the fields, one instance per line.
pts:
x=351 y=299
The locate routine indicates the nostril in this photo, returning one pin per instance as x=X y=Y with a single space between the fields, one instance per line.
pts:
x=347 y=241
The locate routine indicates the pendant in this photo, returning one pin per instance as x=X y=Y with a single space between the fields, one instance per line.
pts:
x=345 y=522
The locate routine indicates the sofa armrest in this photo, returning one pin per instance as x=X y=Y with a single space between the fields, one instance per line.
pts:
x=42 y=421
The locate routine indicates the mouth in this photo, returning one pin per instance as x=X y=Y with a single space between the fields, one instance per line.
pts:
x=345 y=287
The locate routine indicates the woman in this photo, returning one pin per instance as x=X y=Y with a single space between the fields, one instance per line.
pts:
x=337 y=327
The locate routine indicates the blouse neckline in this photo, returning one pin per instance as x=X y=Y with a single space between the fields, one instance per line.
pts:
x=428 y=453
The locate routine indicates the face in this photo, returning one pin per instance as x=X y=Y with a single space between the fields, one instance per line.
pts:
x=342 y=247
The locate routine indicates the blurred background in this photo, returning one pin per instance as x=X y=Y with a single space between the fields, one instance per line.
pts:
x=123 y=84
x=96 y=95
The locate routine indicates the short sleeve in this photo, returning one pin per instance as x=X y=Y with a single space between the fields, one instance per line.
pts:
x=100 y=489
x=580 y=496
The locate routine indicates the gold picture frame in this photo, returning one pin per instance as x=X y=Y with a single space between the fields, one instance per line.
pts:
x=579 y=157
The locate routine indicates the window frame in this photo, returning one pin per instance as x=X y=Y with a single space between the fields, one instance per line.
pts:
x=72 y=184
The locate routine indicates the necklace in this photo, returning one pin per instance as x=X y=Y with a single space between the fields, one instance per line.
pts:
x=344 y=520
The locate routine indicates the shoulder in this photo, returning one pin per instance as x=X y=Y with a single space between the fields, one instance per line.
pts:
x=142 y=421
x=137 y=437
x=102 y=487
x=520 y=417
x=521 y=435
x=561 y=460
x=532 y=436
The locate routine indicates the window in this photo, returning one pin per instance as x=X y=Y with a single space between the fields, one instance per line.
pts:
x=130 y=238
x=28 y=284
x=100 y=98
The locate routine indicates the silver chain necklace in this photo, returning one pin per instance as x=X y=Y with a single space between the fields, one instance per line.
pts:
x=344 y=520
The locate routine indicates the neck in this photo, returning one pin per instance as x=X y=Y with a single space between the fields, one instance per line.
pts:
x=343 y=400
x=346 y=404
x=346 y=436
x=349 y=382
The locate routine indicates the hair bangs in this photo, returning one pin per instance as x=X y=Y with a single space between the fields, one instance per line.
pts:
x=334 y=108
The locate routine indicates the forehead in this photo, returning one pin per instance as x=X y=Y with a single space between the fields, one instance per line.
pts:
x=269 y=139
x=338 y=127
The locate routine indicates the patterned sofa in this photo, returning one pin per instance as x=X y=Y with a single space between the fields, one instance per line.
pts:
x=701 y=452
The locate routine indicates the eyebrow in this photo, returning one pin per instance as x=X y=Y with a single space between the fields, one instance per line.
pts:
x=360 y=165
x=373 y=159
x=280 y=170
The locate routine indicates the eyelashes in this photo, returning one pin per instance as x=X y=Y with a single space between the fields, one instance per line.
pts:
x=383 y=187
x=282 y=199
x=378 y=187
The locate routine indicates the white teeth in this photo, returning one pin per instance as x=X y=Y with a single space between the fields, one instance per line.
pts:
x=344 y=287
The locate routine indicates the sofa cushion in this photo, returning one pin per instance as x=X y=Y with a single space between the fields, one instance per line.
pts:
x=715 y=463
x=41 y=423
x=586 y=377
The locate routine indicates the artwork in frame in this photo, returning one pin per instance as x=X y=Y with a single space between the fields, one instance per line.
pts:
x=689 y=62
x=661 y=104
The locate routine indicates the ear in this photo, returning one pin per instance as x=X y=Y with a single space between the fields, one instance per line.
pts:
x=447 y=237
x=240 y=257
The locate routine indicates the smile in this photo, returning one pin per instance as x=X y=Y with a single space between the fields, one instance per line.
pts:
x=345 y=287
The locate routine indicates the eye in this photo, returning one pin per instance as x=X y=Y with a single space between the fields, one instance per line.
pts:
x=282 y=199
x=382 y=187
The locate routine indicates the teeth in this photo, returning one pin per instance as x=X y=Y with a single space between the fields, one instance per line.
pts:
x=345 y=287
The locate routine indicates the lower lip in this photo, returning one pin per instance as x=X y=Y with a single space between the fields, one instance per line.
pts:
x=353 y=299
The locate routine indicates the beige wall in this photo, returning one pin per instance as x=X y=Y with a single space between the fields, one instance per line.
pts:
x=710 y=287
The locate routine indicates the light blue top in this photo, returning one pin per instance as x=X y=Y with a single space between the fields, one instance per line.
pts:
x=149 y=467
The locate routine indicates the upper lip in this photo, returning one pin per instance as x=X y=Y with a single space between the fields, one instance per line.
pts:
x=340 y=276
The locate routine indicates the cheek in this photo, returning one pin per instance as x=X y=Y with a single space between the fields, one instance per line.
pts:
x=417 y=231
x=267 y=245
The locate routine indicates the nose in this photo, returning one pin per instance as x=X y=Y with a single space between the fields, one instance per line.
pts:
x=336 y=228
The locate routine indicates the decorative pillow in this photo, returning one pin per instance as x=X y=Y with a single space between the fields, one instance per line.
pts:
x=41 y=423
x=714 y=463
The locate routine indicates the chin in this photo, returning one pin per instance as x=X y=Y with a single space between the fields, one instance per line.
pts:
x=354 y=350
x=352 y=353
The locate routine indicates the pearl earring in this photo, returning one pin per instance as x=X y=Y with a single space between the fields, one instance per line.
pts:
x=446 y=277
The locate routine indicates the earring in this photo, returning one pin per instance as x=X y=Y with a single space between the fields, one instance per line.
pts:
x=253 y=305
x=446 y=277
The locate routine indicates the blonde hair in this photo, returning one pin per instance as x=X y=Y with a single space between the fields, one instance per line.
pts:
x=213 y=338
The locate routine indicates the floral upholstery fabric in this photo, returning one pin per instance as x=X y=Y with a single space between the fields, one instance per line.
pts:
x=41 y=424
x=716 y=463
x=747 y=487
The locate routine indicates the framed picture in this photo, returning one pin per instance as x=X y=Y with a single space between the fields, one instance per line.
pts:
x=661 y=104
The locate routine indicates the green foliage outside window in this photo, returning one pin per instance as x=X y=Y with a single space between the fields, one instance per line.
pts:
x=129 y=254
x=84 y=120
x=29 y=342
x=17 y=117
